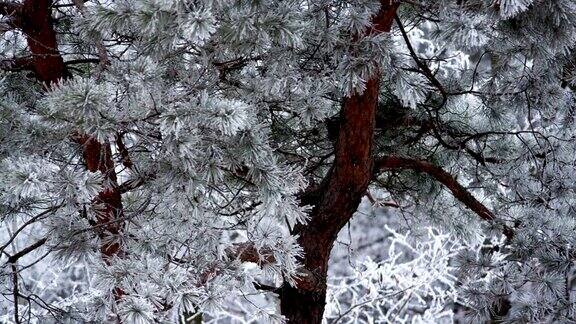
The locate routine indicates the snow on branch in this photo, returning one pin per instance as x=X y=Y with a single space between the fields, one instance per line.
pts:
x=413 y=284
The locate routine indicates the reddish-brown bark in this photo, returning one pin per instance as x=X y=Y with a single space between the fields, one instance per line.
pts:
x=96 y=155
x=36 y=23
x=445 y=178
x=35 y=20
x=108 y=203
x=340 y=193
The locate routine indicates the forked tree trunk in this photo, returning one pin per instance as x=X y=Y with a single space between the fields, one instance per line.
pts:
x=340 y=193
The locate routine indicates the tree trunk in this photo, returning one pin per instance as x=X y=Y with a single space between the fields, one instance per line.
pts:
x=302 y=306
x=344 y=187
x=35 y=21
x=339 y=193
x=342 y=191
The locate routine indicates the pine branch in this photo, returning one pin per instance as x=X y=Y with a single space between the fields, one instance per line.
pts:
x=424 y=69
x=27 y=223
x=462 y=194
x=83 y=61
x=50 y=69
x=103 y=59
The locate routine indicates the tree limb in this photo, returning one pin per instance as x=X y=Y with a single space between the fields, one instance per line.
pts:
x=423 y=67
x=103 y=58
x=83 y=61
x=49 y=68
x=439 y=174
x=13 y=258
x=124 y=154
x=28 y=222
x=15 y=292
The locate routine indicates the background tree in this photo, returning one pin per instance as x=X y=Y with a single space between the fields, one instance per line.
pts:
x=152 y=149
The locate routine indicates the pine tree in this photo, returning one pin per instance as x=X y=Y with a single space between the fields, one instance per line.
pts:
x=185 y=161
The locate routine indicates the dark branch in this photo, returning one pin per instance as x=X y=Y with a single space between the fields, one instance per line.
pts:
x=459 y=192
x=83 y=61
x=268 y=288
x=15 y=292
x=28 y=222
x=26 y=250
x=425 y=70
x=124 y=155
